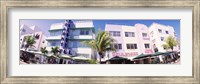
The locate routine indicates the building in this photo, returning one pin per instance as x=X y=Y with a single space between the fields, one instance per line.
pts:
x=134 y=40
x=25 y=30
x=69 y=37
x=158 y=34
x=130 y=40
x=35 y=32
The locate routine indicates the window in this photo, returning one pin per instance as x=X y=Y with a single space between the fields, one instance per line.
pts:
x=53 y=44
x=162 y=38
x=146 y=46
x=114 y=33
x=144 y=34
x=56 y=33
x=131 y=46
x=118 y=46
x=84 y=32
x=82 y=45
x=166 y=32
x=129 y=34
x=159 y=30
x=23 y=30
x=37 y=36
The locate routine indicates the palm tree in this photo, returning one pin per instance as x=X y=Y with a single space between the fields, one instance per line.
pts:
x=170 y=43
x=55 y=50
x=102 y=43
x=43 y=50
x=29 y=42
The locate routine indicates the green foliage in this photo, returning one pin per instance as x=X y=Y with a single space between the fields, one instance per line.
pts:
x=55 y=50
x=29 y=41
x=92 y=61
x=170 y=43
x=43 y=50
x=102 y=43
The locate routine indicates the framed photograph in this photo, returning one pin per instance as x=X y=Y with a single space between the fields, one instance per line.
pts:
x=119 y=41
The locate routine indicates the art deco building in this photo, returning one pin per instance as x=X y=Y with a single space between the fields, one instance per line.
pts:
x=69 y=37
x=158 y=34
x=35 y=32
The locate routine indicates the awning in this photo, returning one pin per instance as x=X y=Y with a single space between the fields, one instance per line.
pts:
x=142 y=56
x=157 y=53
x=117 y=58
x=131 y=58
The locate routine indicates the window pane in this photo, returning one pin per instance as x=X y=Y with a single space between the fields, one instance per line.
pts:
x=127 y=45
x=118 y=33
x=115 y=45
x=114 y=33
x=81 y=32
x=135 y=46
x=146 y=45
x=129 y=34
x=167 y=32
x=133 y=34
x=120 y=46
x=126 y=34
x=144 y=34
x=87 y=32
x=159 y=30
x=162 y=38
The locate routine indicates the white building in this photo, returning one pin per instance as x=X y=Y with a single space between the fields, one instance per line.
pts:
x=134 y=40
x=35 y=32
x=69 y=37
x=25 y=30
x=130 y=40
x=158 y=34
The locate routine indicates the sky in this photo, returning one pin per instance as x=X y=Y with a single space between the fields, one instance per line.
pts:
x=100 y=24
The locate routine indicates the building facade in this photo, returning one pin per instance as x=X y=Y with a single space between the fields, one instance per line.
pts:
x=35 y=32
x=70 y=35
x=158 y=35
x=129 y=40
x=134 y=40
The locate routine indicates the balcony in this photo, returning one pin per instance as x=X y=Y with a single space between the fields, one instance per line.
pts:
x=53 y=38
x=81 y=37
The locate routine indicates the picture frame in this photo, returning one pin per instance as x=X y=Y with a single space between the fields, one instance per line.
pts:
x=4 y=41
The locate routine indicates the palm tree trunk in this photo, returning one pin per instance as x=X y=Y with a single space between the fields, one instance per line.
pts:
x=25 y=49
x=100 y=59
x=100 y=55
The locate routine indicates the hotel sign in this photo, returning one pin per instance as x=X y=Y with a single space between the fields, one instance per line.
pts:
x=125 y=54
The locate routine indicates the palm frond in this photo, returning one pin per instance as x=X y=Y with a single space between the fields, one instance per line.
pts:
x=170 y=42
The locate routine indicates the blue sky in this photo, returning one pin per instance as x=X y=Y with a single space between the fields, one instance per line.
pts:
x=45 y=24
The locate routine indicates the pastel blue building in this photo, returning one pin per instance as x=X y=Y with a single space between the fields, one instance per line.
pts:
x=69 y=37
